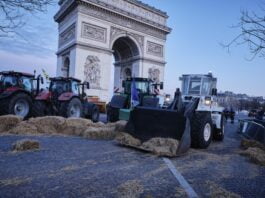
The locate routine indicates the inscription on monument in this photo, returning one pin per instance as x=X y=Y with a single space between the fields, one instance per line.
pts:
x=93 y=32
x=154 y=49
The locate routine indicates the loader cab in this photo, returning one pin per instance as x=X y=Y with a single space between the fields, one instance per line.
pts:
x=198 y=85
x=143 y=85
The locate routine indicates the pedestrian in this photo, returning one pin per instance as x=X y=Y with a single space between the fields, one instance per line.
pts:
x=260 y=114
x=232 y=114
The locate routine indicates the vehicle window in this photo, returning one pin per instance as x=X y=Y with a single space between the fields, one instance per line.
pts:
x=75 y=87
x=195 y=86
x=26 y=83
x=142 y=87
x=59 y=86
x=8 y=81
x=206 y=87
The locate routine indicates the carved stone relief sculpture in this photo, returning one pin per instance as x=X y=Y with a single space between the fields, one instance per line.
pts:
x=154 y=74
x=93 y=32
x=92 y=71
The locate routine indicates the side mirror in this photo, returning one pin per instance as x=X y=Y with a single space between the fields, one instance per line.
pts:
x=161 y=85
x=87 y=85
x=123 y=84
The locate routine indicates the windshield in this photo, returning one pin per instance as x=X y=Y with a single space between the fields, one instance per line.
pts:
x=195 y=86
x=142 y=87
x=7 y=81
x=60 y=87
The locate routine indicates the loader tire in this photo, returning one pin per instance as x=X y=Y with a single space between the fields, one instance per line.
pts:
x=39 y=109
x=219 y=133
x=72 y=108
x=201 y=130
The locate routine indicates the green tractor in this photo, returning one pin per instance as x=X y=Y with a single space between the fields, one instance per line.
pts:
x=120 y=106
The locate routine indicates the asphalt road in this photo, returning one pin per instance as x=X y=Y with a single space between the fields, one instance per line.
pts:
x=76 y=167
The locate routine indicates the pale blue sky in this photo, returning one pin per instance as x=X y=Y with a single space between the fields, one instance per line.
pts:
x=199 y=26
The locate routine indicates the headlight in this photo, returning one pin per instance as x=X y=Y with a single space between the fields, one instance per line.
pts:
x=167 y=99
x=208 y=102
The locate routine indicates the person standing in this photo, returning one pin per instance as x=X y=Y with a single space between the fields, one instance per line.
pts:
x=260 y=114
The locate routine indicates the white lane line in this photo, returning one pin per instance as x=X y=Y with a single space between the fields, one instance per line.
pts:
x=189 y=190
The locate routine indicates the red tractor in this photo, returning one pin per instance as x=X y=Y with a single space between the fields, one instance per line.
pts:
x=66 y=97
x=17 y=93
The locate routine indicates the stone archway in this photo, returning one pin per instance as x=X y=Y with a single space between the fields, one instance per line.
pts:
x=126 y=54
x=91 y=32
x=66 y=67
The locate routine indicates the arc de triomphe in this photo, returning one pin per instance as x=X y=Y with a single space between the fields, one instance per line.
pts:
x=105 y=41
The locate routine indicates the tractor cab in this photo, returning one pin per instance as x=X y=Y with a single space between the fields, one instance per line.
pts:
x=67 y=86
x=11 y=81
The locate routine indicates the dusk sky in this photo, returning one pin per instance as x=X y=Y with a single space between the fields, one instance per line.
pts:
x=198 y=28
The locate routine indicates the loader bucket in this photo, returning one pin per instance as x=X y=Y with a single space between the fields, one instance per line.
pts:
x=147 y=123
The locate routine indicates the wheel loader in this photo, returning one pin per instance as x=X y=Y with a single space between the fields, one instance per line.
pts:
x=17 y=92
x=120 y=106
x=66 y=97
x=193 y=118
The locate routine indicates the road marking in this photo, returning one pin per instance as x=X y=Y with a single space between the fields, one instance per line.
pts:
x=189 y=190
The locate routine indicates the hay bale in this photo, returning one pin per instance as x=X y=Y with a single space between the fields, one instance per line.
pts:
x=75 y=126
x=127 y=140
x=256 y=155
x=7 y=122
x=246 y=143
x=48 y=124
x=130 y=189
x=97 y=124
x=102 y=133
x=24 y=128
x=25 y=144
x=120 y=125
x=161 y=146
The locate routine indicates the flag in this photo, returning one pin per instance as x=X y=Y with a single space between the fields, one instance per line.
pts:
x=134 y=94
x=45 y=74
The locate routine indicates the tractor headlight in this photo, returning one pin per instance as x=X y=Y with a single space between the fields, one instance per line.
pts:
x=208 y=101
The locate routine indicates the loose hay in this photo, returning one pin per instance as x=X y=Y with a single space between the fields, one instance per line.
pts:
x=26 y=144
x=161 y=146
x=24 y=128
x=216 y=191
x=120 y=125
x=246 y=143
x=130 y=189
x=127 y=140
x=48 y=124
x=256 y=155
x=9 y=121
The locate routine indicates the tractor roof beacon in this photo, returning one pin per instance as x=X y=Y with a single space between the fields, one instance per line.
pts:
x=17 y=92
x=66 y=97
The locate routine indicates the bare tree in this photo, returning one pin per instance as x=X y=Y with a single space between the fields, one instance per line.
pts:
x=12 y=13
x=252 y=29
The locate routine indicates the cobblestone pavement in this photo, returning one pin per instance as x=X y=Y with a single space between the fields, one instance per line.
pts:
x=76 y=167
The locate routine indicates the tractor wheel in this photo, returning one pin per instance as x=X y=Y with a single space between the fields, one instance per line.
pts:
x=72 y=108
x=112 y=115
x=219 y=133
x=201 y=130
x=19 y=104
x=39 y=109
x=95 y=114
